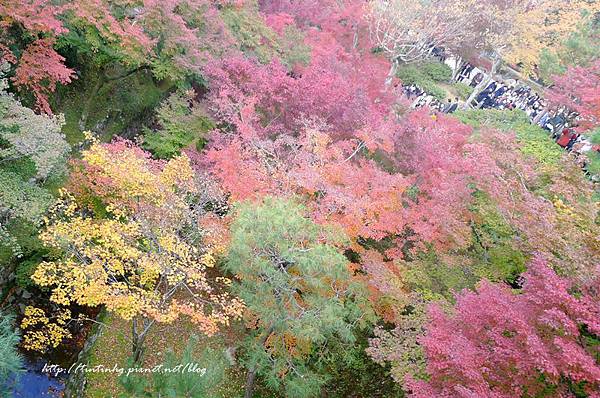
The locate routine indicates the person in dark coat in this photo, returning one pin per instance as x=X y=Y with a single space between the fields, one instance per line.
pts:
x=500 y=92
x=476 y=80
x=491 y=87
x=454 y=106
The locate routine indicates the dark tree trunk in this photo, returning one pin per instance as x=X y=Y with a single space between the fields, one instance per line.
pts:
x=139 y=330
x=250 y=383
x=251 y=378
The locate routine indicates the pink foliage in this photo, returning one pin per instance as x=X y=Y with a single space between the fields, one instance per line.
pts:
x=313 y=12
x=7 y=55
x=342 y=19
x=433 y=149
x=498 y=344
x=40 y=68
x=367 y=199
x=306 y=133
x=34 y=15
x=326 y=89
x=579 y=90
x=278 y=22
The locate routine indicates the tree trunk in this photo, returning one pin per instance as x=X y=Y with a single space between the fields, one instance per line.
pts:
x=457 y=67
x=484 y=83
x=390 y=77
x=250 y=383
x=138 y=337
x=251 y=378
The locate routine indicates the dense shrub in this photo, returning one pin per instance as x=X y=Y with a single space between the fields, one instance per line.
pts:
x=181 y=123
x=11 y=362
x=410 y=74
x=426 y=75
x=593 y=165
x=463 y=91
x=436 y=71
x=532 y=140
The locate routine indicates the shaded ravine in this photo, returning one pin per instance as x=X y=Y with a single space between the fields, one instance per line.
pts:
x=35 y=383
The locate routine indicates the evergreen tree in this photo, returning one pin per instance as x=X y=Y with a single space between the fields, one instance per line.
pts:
x=11 y=362
x=189 y=376
x=302 y=300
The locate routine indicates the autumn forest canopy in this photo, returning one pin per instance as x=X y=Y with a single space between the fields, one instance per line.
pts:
x=312 y=198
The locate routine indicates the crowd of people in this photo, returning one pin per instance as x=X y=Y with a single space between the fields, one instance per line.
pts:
x=512 y=94
x=421 y=98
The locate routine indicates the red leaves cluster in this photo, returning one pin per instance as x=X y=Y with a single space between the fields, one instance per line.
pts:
x=40 y=69
x=322 y=134
x=281 y=100
x=135 y=37
x=498 y=344
x=34 y=15
x=434 y=150
x=579 y=89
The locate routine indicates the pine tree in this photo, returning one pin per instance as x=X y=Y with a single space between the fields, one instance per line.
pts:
x=11 y=362
x=200 y=379
x=301 y=297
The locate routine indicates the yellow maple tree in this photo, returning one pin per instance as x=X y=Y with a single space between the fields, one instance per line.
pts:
x=140 y=252
x=544 y=25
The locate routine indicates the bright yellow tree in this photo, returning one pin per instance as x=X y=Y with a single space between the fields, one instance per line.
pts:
x=544 y=25
x=132 y=243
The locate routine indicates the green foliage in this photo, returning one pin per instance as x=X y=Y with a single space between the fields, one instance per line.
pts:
x=593 y=165
x=506 y=264
x=300 y=295
x=24 y=271
x=550 y=65
x=492 y=255
x=437 y=71
x=292 y=49
x=352 y=373
x=25 y=135
x=20 y=202
x=463 y=91
x=22 y=199
x=84 y=43
x=581 y=48
x=201 y=378
x=531 y=140
x=33 y=154
x=251 y=32
x=181 y=122
x=11 y=363
x=410 y=74
x=255 y=38
x=493 y=245
x=399 y=347
x=433 y=90
x=595 y=137
x=435 y=280
x=163 y=68
x=110 y=101
x=426 y=76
